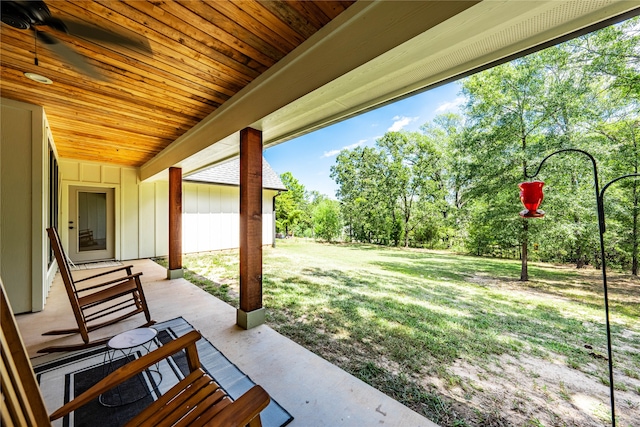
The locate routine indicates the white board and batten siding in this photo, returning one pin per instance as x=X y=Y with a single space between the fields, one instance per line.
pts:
x=210 y=212
x=24 y=205
x=211 y=217
x=139 y=207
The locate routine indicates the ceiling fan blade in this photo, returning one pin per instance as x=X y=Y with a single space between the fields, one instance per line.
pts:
x=91 y=32
x=69 y=55
x=37 y=10
x=56 y=24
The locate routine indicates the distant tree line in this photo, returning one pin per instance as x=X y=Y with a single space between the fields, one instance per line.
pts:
x=306 y=213
x=453 y=184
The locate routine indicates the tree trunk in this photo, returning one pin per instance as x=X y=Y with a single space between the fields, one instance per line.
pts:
x=407 y=217
x=406 y=231
x=524 y=271
x=579 y=258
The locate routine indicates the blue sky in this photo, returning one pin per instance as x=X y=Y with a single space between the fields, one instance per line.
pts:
x=310 y=157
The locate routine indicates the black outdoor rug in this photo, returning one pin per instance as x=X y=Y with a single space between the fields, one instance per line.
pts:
x=64 y=378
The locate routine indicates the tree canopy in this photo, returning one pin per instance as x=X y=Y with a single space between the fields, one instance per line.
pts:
x=453 y=184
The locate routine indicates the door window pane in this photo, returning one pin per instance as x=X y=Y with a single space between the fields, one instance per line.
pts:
x=92 y=221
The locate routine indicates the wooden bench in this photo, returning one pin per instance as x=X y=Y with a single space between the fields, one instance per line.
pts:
x=99 y=300
x=197 y=400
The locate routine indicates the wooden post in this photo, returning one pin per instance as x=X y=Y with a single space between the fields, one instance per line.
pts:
x=251 y=312
x=175 y=223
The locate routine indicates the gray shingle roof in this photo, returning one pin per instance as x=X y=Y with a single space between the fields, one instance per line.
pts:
x=228 y=173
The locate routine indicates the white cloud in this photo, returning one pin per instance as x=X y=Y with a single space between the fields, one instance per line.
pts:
x=451 y=105
x=400 y=122
x=332 y=153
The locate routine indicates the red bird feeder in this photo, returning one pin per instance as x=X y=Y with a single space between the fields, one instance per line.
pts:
x=531 y=196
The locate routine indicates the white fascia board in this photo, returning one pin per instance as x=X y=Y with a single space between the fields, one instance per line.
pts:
x=481 y=35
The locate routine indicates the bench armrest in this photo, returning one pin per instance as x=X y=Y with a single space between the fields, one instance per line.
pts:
x=128 y=371
x=110 y=282
x=241 y=411
x=126 y=267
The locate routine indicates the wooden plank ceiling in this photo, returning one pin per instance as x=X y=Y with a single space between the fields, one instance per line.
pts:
x=202 y=53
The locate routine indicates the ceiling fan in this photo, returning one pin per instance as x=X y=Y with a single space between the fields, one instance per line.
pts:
x=35 y=15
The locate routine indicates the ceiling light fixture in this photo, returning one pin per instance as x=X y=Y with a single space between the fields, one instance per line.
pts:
x=38 y=78
x=33 y=76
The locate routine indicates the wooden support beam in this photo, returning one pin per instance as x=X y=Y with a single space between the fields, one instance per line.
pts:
x=251 y=312
x=175 y=223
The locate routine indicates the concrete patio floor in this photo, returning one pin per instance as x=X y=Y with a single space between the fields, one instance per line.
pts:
x=313 y=390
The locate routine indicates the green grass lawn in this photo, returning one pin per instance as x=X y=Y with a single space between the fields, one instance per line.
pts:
x=437 y=330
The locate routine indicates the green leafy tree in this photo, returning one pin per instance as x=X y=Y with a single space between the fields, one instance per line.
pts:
x=456 y=180
x=581 y=94
x=291 y=206
x=447 y=131
x=327 y=221
x=413 y=175
x=610 y=58
x=507 y=109
x=597 y=110
x=364 y=201
x=390 y=191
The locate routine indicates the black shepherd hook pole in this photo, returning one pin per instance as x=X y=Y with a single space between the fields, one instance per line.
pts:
x=601 y=229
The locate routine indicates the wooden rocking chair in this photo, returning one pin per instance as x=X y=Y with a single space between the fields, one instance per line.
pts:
x=120 y=292
x=195 y=401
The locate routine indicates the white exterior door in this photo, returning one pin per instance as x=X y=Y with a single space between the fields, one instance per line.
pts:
x=91 y=224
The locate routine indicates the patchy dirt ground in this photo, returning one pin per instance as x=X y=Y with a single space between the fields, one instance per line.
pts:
x=531 y=391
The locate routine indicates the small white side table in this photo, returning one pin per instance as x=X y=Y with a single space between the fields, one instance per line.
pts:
x=126 y=344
